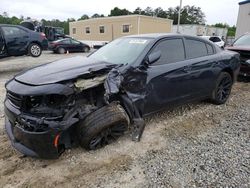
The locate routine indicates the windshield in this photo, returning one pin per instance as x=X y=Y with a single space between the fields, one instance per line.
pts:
x=121 y=51
x=243 y=41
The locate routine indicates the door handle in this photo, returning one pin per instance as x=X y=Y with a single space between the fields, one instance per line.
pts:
x=187 y=69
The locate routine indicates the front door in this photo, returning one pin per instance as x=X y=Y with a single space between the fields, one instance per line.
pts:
x=168 y=81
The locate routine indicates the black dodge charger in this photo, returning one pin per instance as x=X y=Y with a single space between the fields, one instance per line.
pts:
x=93 y=100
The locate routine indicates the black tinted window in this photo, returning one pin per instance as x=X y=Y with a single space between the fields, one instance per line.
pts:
x=13 y=31
x=210 y=49
x=172 y=50
x=195 y=48
x=74 y=41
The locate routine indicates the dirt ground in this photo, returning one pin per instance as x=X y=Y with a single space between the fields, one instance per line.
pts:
x=196 y=145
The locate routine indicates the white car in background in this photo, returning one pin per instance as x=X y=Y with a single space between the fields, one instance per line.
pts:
x=215 y=39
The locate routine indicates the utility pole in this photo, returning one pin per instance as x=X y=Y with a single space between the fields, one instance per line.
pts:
x=179 y=17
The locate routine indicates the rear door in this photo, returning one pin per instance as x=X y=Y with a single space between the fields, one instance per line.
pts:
x=203 y=64
x=16 y=39
x=168 y=81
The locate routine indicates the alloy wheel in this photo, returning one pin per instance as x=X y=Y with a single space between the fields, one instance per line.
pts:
x=107 y=136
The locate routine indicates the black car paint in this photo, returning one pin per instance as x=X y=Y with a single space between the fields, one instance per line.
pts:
x=71 y=47
x=16 y=45
x=141 y=88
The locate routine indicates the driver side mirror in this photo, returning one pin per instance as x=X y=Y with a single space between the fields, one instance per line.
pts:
x=153 y=57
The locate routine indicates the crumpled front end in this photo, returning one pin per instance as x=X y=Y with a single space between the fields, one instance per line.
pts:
x=40 y=119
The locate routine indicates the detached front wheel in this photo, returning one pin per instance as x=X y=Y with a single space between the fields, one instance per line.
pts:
x=35 y=50
x=223 y=88
x=103 y=127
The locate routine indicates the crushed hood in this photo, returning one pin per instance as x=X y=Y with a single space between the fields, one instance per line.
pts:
x=62 y=70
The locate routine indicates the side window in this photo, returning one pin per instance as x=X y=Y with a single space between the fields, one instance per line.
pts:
x=87 y=30
x=74 y=41
x=66 y=41
x=125 y=28
x=13 y=31
x=172 y=50
x=74 y=30
x=101 y=29
x=210 y=49
x=195 y=48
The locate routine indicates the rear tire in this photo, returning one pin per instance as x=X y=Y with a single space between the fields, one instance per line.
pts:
x=61 y=50
x=222 y=89
x=35 y=50
x=102 y=127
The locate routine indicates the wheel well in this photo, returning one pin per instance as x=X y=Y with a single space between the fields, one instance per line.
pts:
x=229 y=71
x=36 y=42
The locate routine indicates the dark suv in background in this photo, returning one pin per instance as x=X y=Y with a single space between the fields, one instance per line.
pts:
x=16 y=40
x=242 y=46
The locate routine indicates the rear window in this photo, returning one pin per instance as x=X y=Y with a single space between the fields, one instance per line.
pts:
x=214 y=39
x=195 y=48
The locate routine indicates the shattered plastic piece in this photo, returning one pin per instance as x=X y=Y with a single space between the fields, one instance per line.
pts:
x=83 y=84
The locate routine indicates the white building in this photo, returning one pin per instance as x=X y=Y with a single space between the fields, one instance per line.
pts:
x=200 y=30
x=243 y=21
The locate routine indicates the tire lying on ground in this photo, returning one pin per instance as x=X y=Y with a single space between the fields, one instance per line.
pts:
x=103 y=126
x=222 y=89
x=34 y=50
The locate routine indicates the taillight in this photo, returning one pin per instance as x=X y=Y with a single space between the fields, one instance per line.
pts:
x=43 y=36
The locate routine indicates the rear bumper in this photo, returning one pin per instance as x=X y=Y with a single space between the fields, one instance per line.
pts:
x=34 y=144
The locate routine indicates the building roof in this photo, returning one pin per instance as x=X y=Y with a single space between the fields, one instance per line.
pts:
x=244 y=2
x=124 y=16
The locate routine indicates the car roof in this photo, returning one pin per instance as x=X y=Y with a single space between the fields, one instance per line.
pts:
x=158 y=36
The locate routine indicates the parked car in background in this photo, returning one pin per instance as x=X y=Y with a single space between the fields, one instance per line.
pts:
x=215 y=39
x=16 y=40
x=68 y=44
x=242 y=46
x=93 y=100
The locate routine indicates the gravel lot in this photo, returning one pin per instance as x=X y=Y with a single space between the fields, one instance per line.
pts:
x=196 y=145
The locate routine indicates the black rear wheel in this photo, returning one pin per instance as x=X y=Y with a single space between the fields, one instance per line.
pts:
x=223 y=88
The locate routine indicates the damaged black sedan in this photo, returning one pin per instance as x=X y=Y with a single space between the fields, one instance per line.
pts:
x=93 y=100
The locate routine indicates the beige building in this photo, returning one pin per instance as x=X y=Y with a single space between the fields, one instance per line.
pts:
x=109 y=28
x=243 y=21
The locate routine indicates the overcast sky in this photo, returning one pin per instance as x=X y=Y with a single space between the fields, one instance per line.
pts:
x=224 y=11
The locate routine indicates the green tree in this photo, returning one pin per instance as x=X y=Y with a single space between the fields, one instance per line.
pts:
x=97 y=15
x=189 y=15
x=159 y=12
x=231 y=29
x=119 y=12
x=84 y=17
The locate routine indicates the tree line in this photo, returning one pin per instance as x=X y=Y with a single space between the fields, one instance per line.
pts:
x=189 y=15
